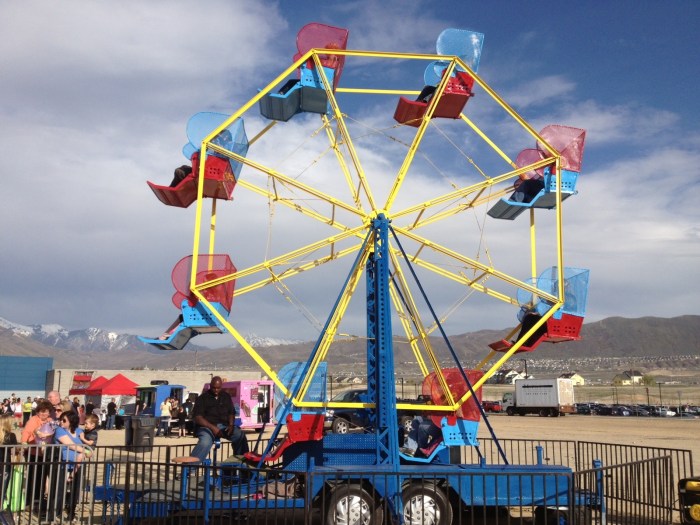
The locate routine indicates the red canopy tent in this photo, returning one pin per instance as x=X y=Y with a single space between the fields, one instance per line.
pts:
x=120 y=388
x=95 y=385
x=119 y=385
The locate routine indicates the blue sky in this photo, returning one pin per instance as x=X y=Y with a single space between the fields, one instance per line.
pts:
x=95 y=98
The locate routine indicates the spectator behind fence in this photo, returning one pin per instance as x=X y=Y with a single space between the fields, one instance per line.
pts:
x=89 y=435
x=38 y=431
x=111 y=414
x=73 y=452
x=7 y=437
x=164 y=413
x=26 y=410
x=55 y=399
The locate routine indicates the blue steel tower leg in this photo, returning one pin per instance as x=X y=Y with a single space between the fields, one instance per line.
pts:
x=381 y=387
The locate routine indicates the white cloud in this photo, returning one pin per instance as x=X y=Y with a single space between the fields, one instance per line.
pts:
x=607 y=124
x=540 y=91
x=95 y=103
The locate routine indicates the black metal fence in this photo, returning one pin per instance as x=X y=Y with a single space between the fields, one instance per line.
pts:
x=123 y=485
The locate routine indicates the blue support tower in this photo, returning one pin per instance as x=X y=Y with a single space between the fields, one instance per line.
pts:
x=380 y=356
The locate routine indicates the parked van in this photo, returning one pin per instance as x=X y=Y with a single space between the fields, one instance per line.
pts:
x=150 y=397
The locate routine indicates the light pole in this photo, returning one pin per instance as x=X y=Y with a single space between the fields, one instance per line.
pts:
x=401 y=379
x=660 y=399
x=680 y=412
x=330 y=381
x=648 y=403
x=524 y=361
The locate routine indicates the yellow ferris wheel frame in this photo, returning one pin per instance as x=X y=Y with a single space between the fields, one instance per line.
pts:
x=471 y=195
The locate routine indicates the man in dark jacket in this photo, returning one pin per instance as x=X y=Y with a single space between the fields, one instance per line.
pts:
x=111 y=414
x=214 y=418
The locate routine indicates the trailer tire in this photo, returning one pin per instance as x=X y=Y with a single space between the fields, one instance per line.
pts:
x=545 y=516
x=544 y=412
x=510 y=411
x=425 y=504
x=554 y=412
x=350 y=503
x=340 y=426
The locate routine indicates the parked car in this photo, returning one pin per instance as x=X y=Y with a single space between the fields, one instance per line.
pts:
x=583 y=409
x=604 y=410
x=662 y=412
x=344 y=420
x=492 y=406
x=621 y=411
x=639 y=411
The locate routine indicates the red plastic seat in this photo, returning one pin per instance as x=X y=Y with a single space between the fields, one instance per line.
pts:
x=309 y=427
x=219 y=182
x=568 y=328
x=450 y=105
x=504 y=345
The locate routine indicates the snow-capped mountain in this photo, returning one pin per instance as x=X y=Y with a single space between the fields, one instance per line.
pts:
x=88 y=339
x=257 y=341
x=98 y=340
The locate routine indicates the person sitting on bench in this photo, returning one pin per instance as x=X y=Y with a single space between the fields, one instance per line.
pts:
x=214 y=417
x=528 y=316
x=527 y=189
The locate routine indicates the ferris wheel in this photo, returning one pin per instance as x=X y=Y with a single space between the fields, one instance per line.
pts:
x=378 y=189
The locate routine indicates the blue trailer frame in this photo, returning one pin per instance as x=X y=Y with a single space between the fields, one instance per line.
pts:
x=340 y=468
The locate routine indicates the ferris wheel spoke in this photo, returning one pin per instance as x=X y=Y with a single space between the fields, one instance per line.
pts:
x=289 y=181
x=294 y=205
x=466 y=191
x=290 y=271
x=331 y=330
x=348 y=142
x=298 y=253
x=409 y=315
x=344 y=167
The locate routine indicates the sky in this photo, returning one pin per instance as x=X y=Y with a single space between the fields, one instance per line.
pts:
x=95 y=98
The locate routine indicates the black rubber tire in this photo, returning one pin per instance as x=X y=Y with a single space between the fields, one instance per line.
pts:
x=545 y=516
x=510 y=411
x=425 y=504
x=350 y=503
x=340 y=426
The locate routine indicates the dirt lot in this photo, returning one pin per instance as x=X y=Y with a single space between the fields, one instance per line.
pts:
x=672 y=432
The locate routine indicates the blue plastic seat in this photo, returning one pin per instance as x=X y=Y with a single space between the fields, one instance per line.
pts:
x=304 y=95
x=509 y=209
x=196 y=320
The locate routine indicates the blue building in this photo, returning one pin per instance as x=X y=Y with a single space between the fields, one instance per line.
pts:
x=24 y=376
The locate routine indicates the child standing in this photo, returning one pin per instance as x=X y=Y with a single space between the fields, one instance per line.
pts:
x=89 y=436
x=11 y=479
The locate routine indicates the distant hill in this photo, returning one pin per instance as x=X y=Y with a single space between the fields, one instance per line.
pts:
x=97 y=348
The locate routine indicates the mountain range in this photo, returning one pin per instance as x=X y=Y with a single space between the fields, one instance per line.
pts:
x=640 y=338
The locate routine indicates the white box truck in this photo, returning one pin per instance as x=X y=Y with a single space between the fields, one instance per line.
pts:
x=546 y=397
